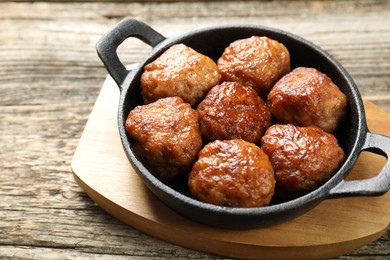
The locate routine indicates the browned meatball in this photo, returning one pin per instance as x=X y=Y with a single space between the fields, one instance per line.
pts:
x=232 y=173
x=179 y=71
x=167 y=136
x=304 y=97
x=232 y=111
x=303 y=158
x=257 y=62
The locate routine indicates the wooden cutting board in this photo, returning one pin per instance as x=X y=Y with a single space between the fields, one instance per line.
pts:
x=333 y=228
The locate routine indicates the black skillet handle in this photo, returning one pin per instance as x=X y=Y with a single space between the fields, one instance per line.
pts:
x=107 y=46
x=374 y=186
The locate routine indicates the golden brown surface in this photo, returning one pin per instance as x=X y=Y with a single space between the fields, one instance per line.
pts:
x=179 y=71
x=167 y=136
x=231 y=111
x=305 y=97
x=257 y=62
x=303 y=158
x=232 y=173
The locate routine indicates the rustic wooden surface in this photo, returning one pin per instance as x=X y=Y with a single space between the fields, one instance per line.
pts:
x=331 y=229
x=50 y=77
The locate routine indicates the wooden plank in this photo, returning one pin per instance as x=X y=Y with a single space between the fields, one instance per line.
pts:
x=332 y=228
x=50 y=77
x=357 y=38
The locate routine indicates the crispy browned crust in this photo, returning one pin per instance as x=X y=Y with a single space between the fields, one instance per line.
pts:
x=231 y=111
x=303 y=158
x=232 y=173
x=179 y=71
x=167 y=136
x=307 y=97
x=258 y=62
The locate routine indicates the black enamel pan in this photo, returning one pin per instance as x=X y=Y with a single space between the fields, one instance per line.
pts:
x=353 y=134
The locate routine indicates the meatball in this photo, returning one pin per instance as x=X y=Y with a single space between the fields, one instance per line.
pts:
x=303 y=158
x=167 y=136
x=258 y=62
x=179 y=71
x=232 y=111
x=233 y=173
x=305 y=97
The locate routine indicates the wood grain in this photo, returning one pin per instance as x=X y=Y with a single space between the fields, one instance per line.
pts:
x=50 y=77
x=332 y=228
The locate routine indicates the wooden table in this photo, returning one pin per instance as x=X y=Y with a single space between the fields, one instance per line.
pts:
x=50 y=77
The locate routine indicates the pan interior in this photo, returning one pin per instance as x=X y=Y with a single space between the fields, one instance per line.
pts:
x=212 y=42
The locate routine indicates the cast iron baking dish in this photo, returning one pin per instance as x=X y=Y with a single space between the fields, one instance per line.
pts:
x=353 y=134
